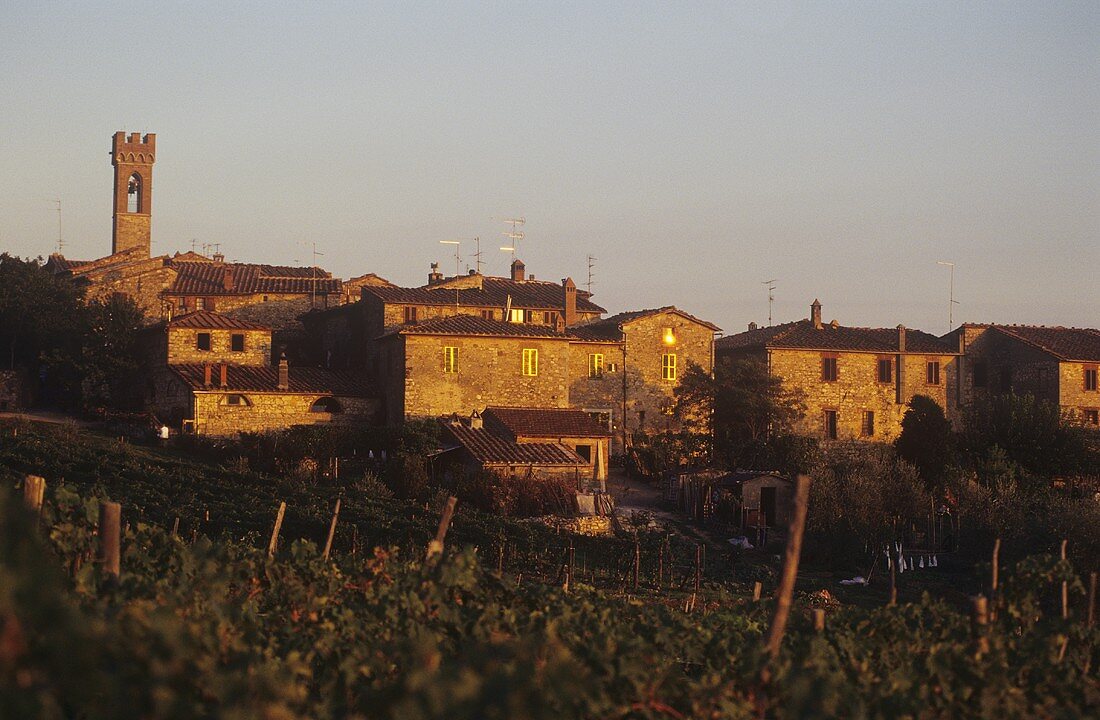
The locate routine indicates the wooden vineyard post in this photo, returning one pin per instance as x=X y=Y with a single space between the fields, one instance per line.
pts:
x=819 y=620
x=893 y=600
x=274 y=542
x=572 y=558
x=979 y=619
x=1091 y=618
x=34 y=492
x=790 y=567
x=637 y=560
x=435 y=547
x=110 y=545
x=698 y=566
x=757 y=589
x=995 y=575
x=176 y=526
x=1065 y=587
x=332 y=530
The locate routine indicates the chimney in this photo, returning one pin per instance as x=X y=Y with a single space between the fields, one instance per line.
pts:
x=206 y=375
x=218 y=258
x=476 y=422
x=752 y=326
x=435 y=276
x=224 y=380
x=518 y=269
x=815 y=313
x=570 y=289
x=901 y=338
x=284 y=374
x=227 y=279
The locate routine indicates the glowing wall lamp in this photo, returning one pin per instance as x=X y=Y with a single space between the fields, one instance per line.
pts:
x=667 y=337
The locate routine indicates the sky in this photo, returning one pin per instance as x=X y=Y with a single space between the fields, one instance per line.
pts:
x=841 y=149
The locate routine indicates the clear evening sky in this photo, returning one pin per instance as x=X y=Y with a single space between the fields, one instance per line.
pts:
x=840 y=148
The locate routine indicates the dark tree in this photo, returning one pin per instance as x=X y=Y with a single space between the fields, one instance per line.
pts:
x=110 y=365
x=925 y=439
x=1032 y=433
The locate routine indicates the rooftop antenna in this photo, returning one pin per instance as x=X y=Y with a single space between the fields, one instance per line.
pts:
x=591 y=264
x=477 y=255
x=771 y=297
x=515 y=234
x=60 y=241
x=458 y=261
x=951 y=296
x=192 y=244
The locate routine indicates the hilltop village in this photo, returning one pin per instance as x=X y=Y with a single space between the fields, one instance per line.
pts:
x=533 y=373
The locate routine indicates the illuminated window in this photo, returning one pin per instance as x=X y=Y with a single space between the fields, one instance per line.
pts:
x=519 y=316
x=1090 y=379
x=450 y=359
x=202 y=341
x=530 y=362
x=200 y=303
x=595 y=365
x=828 y=368
x=668 y=367
x=933 y=373
x=830 y=420
x=885 y=370
x=868 y=427
x=237 y=342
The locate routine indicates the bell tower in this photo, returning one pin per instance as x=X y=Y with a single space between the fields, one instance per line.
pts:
x=133 y=159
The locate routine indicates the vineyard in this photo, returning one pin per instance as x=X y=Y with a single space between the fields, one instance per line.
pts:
x=202 y=621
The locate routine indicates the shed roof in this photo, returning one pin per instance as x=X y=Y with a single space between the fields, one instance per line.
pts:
x=490 y=449
x=545 y=422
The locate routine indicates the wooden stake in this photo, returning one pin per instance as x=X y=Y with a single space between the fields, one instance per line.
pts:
x=893 y=600
x=993 y=580
x=819 y=620
x=435 y=547
x=1065 y=588
x=757 y=589
x=979 y=619
x=1091 y=620
x=110 y=515
x=637 y=560
x=34 y=491
x=790 y=567
x=698 y=565
x=274 y=542
x=176 y=526
x=331 y=530
x=572 y=560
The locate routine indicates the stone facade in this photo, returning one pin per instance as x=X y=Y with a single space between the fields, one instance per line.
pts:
x=183 y=347
x=212 y=413
x=133 y=160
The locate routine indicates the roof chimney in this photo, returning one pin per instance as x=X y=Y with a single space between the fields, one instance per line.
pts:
x=901 y=338
x=518 y=269
x=206 y=375
x=752 y=326
x=476 y=423
x=570 y=289
x=227 y=279
x=222 y=375
x=435 y=276
x=284 y=374
x=815 y=313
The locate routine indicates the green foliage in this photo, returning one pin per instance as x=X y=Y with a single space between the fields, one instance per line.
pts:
x=1030 y=431
x=925 y=439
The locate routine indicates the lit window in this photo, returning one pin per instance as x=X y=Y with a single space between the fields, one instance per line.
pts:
x=450 y=359
x=530 y=362
x=828 y=369
x=668 y=367
x=868 y=427
x=200 y=303
x=595 y=365
x=237 y=342
x=830 y=420
x=885 y=370
x=1090 y=379
x=933 y=373
x=515 y=316
x=202 y=341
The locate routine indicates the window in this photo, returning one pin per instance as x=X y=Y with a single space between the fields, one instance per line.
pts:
x=200 y=303
x=236 y=342
x=830 y=418
x=410 y=314
x=828 y=368
x=595 y=365
x=183 y=305
x=489 y=314
x=668 y=367
x=237 y=400
x=530 y=362
x=547 y=318
x=202 y=341
x=450 y=359
x=326 y=405
x=885 y=370
x=981 y=375
x=1092 y=416
x=585 y=451
x=133 y=194
x=868 y=427
x=933 y=372
x=1090 y=378
x=611 y=367
x=518 y=315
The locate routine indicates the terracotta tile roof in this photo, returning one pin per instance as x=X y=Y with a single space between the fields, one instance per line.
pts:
x=476 y=325
x=802 y=335
x=543 y=422
x=62 y=263
x=208 y=278
x=494 y=292
x=205 y=319
x=611 y=328
x=490 y=449
x=303 y=380
x=1079 y=344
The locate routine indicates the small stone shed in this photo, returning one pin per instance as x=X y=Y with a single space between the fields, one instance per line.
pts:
x=766 y=498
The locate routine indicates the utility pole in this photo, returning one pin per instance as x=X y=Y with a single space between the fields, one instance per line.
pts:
x=770 y=284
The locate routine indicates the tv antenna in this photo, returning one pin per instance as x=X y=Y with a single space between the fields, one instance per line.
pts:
x=458 y=260
x=477 y=255
x=514 y=235
x=60 y=241
x=591 y=264
x=951 y=296
x=770 y=284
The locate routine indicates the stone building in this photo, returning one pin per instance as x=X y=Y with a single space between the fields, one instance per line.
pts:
x=1056 y=364
x=575 y=429
x=213 y=375
x=856 y=381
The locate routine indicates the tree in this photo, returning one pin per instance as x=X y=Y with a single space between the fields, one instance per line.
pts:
x=1032 y=433
x=925 y=439
x=748 y=408
x=109 y=361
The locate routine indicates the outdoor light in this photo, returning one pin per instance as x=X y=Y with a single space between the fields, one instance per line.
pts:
x=668 y=337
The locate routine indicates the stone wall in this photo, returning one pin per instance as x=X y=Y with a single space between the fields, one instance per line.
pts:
x=270 y=411
x=597 y=393
x=1072 y=395
x=183 y=347
x=857 y=389
x=133 y=230
x=144 y=281
x=489 y=373
x=1009 y=366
